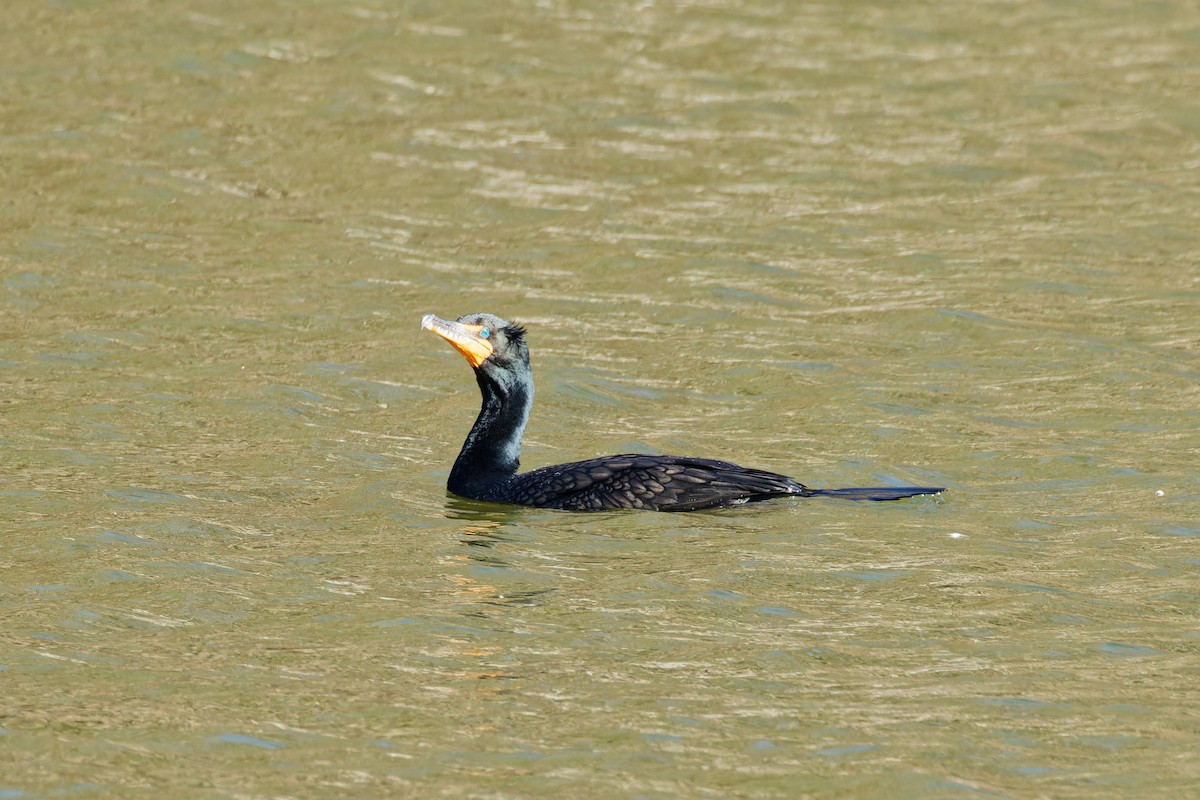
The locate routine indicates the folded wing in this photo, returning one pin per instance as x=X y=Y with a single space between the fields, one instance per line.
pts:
x=661 y=483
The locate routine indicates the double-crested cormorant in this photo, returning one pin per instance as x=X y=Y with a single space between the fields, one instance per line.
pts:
x=486 y=468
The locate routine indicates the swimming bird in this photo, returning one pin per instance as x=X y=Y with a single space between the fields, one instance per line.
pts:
x=486 y=467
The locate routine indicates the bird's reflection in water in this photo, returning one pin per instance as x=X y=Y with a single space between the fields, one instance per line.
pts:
x=482 y=511
x=491 y=526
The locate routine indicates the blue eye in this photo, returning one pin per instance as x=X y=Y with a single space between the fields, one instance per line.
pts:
x=485 y=333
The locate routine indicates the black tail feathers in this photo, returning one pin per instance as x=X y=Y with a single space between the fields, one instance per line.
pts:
x=880 y=493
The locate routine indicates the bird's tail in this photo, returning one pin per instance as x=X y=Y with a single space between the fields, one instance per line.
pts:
x=880 y=493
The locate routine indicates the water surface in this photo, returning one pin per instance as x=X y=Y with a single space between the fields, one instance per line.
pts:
x=949 y=244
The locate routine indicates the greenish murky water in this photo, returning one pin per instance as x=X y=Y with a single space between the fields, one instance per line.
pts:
x=942 y=243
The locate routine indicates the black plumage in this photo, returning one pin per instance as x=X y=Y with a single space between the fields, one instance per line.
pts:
x=486 y=467
x=664 y=483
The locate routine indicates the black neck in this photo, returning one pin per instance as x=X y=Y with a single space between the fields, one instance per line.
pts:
x=492 y=452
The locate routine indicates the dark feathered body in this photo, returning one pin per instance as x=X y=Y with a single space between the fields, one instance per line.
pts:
x=486 y=468
x=662 y=483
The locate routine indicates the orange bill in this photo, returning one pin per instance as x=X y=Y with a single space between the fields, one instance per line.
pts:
x=465 y=338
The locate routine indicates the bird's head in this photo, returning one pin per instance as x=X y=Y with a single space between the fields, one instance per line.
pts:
x=485 y=340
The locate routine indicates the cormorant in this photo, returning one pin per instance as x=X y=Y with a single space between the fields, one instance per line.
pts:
x=486 y=468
